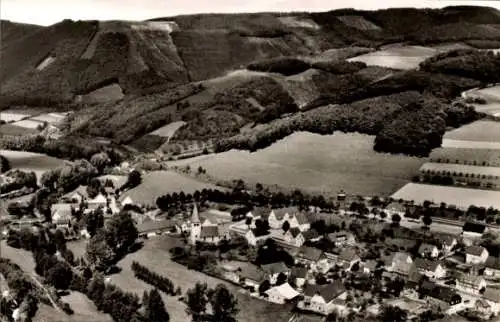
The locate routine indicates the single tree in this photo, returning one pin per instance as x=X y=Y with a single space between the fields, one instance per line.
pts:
x=427 y=220
x=282 y=278
x=155 y=308
x=98 y=252
x=224 y=304
x=197 y=301
x=285 y=226
x=100 y=161
x=396 y=219
x=121 y=232
x=264 y=286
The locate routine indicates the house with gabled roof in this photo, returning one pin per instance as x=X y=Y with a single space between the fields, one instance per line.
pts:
x=492 y=267
x=300 y=221
x=281 y=294
x=323 y=299
x=476 y=255
x=428 y=250
x=77 y=196
x=252 y=276
x=278 y=216
x=298 y=275
x=441 y=297
x=61 y=214
x=259 y=213
x=308 y=256
x=100 y=201
x=253 y=238
x=447 y=243
x=292 y=237
x=346 y=258
x=151 y=228
x=430 y=268
x=273 y=270
x=400 y=263
x=470 y=283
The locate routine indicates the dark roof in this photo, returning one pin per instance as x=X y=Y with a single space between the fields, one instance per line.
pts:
x=253 y=273
x=261 y=212
x=492 y=294
x=310 y=234
x=475 y=250
x=473 y=227
x=415 y=277
x=493 y=262
x=348 y=254
x=310 y=253
x=209 y=231
x=328 y=291
x=299 y=272
x=444 y=294
x=275 y=268
x=294 y=231
x=154 y=225
x=426 y=264
x=301 y=218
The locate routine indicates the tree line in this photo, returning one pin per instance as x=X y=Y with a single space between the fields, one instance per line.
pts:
x=158 y=281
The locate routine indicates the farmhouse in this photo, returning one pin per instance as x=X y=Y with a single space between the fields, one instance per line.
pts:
x=298 y=276
x=429 y=268
x=400 y=263
x=322 y=298
x=252 y=238
x=273 y=270
x=470 y=283
x=99 y=201
x=444 y=298
x=259 y=213
x=473 y=230
x=252 y=276
x=292 y=237
x=281 y=294
x=428 y=250
x=299 y=220
x=61 y=214
x=447 y=243
x=154 y=227
x=308 y=256
x=346 y=258
x=492 y=267
x=77 y=196
x=278 y=216
x=476 y=255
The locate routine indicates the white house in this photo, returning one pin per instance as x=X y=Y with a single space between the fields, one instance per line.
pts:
x=78 y=195
x=278 y=216
x=300 y=221
x=429 y=268
x=99 y=201
x=400 y=263
x=273 y=270
x=321 y=298
x=293 y=237
x=252 y=276
x=281 y=294
x=428 y=250
x=469 y=283
x=298 y=275
x=309 y=256
x=447 y=243
x=476 y=255
x=127 y=201
x=61 y=214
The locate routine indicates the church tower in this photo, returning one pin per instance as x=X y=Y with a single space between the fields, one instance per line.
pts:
x=195 y=225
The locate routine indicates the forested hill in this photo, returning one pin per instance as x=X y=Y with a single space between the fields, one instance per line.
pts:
x=222 y=73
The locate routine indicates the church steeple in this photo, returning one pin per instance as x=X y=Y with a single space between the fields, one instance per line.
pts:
x=195 y=218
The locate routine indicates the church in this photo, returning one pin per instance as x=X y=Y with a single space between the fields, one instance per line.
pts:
x=206 y=232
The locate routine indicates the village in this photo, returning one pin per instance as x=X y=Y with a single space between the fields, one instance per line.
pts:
x=355 y=256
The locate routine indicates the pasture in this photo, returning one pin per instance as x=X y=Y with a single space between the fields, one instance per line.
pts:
x=158 y=183
x=11 y=129
x=492 y=97
x=317 y=164
x=469 y=155
x=51 y=118
x=156 y=257
x=29 y=124
x=400 y=57
x=29 y=161
x=12 y=116
x=467 y=144
x=482 y=131
x=461 y=168
x=460 y=197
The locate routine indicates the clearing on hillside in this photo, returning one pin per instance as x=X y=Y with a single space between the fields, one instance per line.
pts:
x=460 y=197
x=347 y=163
x=492 y=97
x=358 y=22
x=168 y=130
x=28 y=124
x=298 y=22
x=403 y=57
x=28 y=161
x=51 y=118
x=482 y=131
x=12 y=116
x=158 y=183
x=108 y=93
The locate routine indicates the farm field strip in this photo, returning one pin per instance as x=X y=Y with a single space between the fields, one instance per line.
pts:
x=29 y=124
x=12 y=116
x=460 y=197
x=11 y=129
x=460 y=155
x=484 y=131
x=449 y=143
x=168 y=130
x=405 y=57
x=461 y=168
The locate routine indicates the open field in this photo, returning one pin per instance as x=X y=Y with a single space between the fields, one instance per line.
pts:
x=51 y=118
x=85 y=309
x=316 y=163
x=483 y=131
x=492 y=97
x=461 y=168
x=12 y=116
x=404 y=57
x=21 y=257
x=460 y=197
x=168 y=130
x=155 y=256
x=28 y=161
x=469 y=155
x=467 y=144
x=158 y=183
x=29 y=124
x=11 y=129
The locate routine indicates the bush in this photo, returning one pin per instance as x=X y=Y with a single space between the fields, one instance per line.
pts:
x=283 y=65
x=162 y=283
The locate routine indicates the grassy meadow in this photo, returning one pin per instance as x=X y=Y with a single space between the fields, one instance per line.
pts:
x=29 y=161
x=405 y=57
x=316 y=163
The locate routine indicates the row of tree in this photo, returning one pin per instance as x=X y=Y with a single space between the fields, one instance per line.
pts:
x=158 y=281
